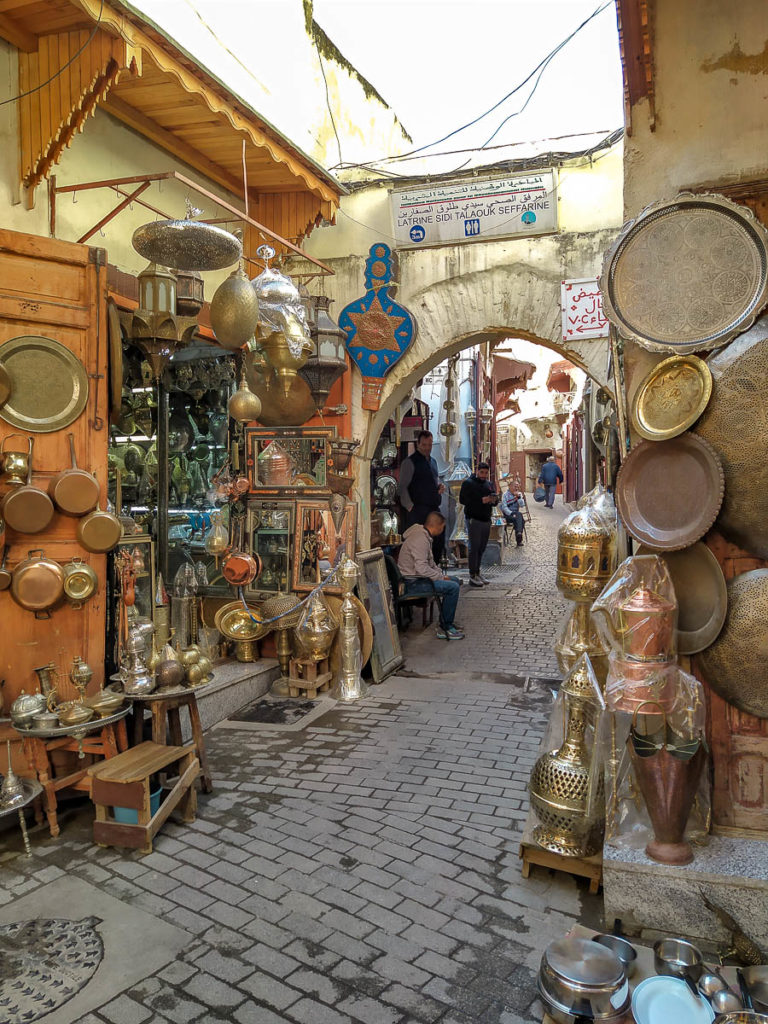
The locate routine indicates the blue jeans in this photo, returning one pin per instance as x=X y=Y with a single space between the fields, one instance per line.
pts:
x=551 y=490
x=447 y=590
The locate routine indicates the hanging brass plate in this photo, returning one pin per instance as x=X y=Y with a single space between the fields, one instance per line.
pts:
x=49 y=385
x=5 y=385
x=687 y=274
x=671 y=398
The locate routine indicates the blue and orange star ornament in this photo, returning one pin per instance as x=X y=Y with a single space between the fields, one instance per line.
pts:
x=378 y=331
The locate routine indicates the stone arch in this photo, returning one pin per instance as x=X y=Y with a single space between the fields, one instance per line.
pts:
x=514 y=301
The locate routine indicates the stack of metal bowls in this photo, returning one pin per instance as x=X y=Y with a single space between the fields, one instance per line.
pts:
x=582 y=980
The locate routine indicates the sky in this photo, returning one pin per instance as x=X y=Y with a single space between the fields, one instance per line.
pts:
x=441 y=63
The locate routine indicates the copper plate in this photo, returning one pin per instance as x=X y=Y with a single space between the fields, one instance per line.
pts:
x=736 y=425
x=687 y=274
x=702 y=598
x=734 y=666
x=49 y=385
x=668 y=492
x=671 y=398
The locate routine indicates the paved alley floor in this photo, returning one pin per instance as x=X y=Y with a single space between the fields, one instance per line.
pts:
x=362 y=869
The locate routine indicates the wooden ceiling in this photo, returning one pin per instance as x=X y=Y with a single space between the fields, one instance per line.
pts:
x=123 y=64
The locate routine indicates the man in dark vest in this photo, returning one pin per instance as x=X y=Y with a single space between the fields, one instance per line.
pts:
x=420 y=490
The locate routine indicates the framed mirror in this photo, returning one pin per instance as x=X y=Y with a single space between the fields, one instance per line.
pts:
x=289 y=461
x=376 y=594
x=320 y=542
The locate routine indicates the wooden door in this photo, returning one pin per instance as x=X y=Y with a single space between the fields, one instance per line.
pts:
x=739 y=741
x=56 y=290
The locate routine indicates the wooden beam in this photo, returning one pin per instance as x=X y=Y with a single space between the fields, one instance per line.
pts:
x=171 y=143
x=17 y=36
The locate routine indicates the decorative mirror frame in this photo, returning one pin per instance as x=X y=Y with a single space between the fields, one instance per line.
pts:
x=255 y=435
x=372 y=565
x=350 y=533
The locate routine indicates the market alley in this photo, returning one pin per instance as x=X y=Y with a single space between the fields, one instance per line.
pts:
x=364 y=868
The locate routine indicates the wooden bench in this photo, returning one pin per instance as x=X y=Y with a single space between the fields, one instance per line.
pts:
x=123 y=781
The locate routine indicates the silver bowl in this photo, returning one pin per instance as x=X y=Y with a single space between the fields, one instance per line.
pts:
x=622 y=949
x=677 y=958
x=757 y=979
x=579 y=978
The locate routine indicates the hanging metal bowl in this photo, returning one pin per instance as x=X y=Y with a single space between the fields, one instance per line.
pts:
x=187 y=245
x=687 y=274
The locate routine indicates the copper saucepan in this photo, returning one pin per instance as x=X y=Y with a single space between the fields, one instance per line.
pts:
x=99 y=531
x=38 y=584
x=74 y=491
x=27 y=509
x=5 y=574
x=240 y=568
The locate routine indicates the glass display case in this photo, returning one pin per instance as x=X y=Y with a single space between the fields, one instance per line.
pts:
x=270 y=527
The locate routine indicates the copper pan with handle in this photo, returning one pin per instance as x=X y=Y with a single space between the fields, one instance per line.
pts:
x=38 y=584
x=74 y=491
x=100 y=531
x=27 y=509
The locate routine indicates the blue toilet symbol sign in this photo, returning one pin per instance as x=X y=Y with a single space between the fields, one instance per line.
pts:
x=529 y=217
x=417 y=233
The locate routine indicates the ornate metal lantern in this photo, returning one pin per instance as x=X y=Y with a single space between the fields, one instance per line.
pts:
x=154 y=326
x=586 y=554
x=328 y=361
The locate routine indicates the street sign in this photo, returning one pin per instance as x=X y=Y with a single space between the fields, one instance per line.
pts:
x=474 y=210
x=582 y=306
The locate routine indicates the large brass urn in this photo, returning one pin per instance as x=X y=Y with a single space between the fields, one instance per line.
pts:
x=566 y=785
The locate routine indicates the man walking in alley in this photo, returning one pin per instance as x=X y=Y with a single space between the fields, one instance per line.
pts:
x=422 y=576
x=478 y=498
x=549 y=477
x=419 y=488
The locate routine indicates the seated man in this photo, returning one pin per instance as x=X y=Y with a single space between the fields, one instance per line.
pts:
x=512 y=510
x=417 y=565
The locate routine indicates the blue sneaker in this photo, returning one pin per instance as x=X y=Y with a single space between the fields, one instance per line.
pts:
x=450 y=633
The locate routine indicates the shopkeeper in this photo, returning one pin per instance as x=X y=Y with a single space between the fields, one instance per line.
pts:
x=420 y=490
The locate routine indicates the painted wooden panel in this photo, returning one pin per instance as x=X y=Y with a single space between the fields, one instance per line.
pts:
x=74 y=279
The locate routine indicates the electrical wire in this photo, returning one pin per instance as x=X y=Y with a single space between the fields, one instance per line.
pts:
x=542 y=64
x=62 y=69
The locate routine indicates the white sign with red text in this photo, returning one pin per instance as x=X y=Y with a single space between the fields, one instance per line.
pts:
x=582 y=306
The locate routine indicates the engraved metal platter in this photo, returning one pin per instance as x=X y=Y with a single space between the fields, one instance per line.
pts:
x=702 y=597
x=734 y=666
x=187 y=245
x=668 y=493
x=736 y=425
x=671 y=398
x=687 y=274
x=115 y=359
x=49 y=385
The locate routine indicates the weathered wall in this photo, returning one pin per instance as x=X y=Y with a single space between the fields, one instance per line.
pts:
x=711 y=77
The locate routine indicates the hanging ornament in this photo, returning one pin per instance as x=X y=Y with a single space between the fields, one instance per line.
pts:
x=244 y=406
x=378 y=330
x=234 y=311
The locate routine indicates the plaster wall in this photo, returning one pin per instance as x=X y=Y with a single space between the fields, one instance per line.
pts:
x=711 y=77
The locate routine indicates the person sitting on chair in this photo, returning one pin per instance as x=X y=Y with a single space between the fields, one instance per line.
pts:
x=422 y=576
x=512 y=510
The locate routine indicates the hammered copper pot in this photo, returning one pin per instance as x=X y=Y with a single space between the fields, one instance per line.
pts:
x=38 y=583
x=74 y=491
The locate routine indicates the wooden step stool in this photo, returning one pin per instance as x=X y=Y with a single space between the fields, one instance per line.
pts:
x=307 y=678
x=123 y=781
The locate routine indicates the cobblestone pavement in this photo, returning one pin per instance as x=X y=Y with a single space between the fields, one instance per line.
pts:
x=364 y=869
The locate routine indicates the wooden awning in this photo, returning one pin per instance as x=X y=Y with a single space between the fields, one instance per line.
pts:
x=560 y=375
x=118 y=61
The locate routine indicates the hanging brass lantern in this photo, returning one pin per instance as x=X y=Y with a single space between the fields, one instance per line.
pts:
x=234 y=311
x=244 y=406
x=566 y=785
x=327 y=362
x=586 y=554
x=154 y=326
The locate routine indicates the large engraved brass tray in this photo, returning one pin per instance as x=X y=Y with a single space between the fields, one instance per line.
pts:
x=671 y=398
x=702 y=598
x=734 y=666
x=49 y=385
x=668 y=492
x=736 y=425
x=687 y=274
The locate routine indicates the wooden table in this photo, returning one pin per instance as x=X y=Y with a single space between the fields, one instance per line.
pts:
x=102 y=737
x=165 y=707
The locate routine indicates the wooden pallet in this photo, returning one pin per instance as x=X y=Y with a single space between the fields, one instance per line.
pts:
x=583 y=867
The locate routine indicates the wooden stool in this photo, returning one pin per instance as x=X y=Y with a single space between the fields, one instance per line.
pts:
x=165 y=708
x=307 y=678
x=124 y=782
x=102 y=741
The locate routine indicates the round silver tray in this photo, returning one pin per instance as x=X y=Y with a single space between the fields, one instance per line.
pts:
x=70 y=730
x=31 y=790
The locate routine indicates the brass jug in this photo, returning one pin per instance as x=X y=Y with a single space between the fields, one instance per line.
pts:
x=15 y=464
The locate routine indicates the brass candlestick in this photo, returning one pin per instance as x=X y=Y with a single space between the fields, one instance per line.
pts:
x=349 y=686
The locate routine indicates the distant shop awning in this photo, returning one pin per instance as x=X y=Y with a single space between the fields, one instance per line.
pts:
x=509 y=375
x=560 y=376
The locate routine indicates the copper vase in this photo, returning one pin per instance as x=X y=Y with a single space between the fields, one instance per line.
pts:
x=668 y=784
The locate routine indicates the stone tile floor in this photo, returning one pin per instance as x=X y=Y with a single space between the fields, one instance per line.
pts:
x=366 y=868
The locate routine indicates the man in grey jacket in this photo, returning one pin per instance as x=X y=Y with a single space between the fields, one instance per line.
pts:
x=422 y=576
